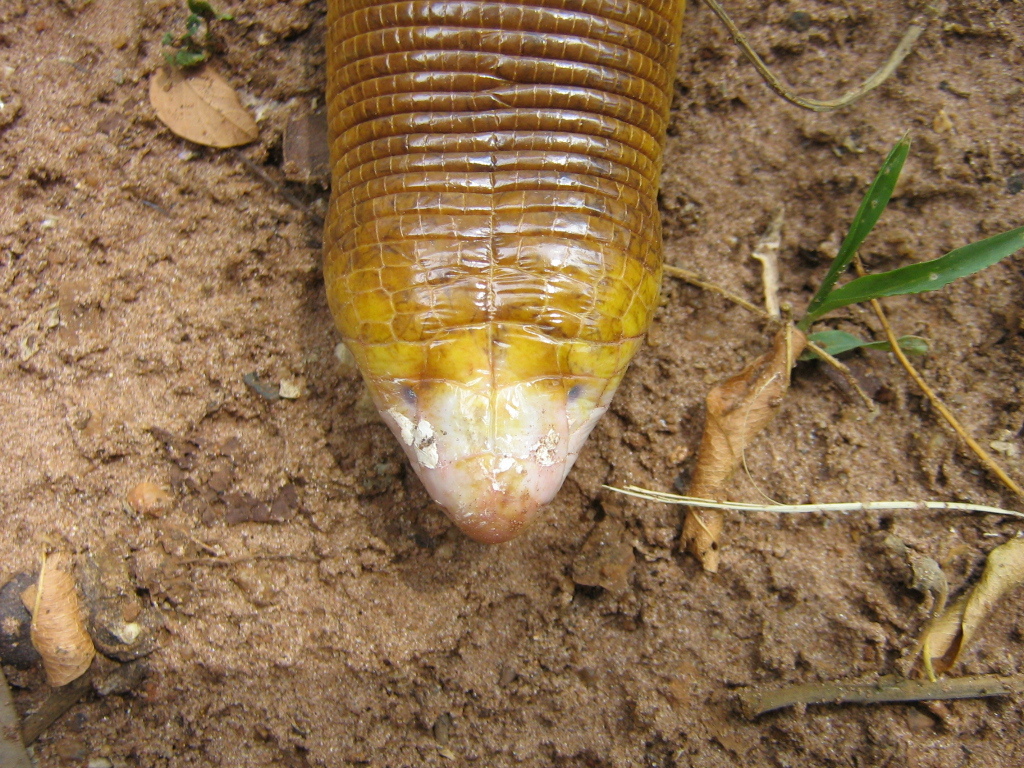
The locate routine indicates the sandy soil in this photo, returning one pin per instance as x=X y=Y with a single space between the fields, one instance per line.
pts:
x=142 y=277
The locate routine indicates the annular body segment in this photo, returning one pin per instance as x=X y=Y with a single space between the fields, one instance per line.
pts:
x=493 y=243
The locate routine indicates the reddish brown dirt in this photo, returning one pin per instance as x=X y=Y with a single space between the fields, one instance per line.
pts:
x=142 y=277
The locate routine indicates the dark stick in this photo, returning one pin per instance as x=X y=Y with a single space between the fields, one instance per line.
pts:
x=57 y=703
x=757 y=702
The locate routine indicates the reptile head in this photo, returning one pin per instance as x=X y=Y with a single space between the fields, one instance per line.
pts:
x=492 y=457
x=493 y=437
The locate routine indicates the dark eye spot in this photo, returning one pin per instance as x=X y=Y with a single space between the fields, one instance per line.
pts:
x=409 y=395
x=573 y=394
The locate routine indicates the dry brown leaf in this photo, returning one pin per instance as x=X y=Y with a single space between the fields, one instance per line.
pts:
x=945 y=639
x=58 y=627
x=201 y=106
x=737 y=410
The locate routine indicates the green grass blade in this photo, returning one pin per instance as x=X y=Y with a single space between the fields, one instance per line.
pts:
x=929 y=275
x=838 y=342
x=871 y=208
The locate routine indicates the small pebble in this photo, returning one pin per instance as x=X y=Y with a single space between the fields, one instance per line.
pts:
x=289 y=390
x=15 y=624
x=346 y=362
x=942 y=123
x=264 y=390
x=799 y=21
x=149 y=499
x=443 y=729
x=220 y=481
x=124 y=679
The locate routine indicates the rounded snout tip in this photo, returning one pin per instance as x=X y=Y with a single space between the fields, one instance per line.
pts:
x=493 y=505
x=492 y=524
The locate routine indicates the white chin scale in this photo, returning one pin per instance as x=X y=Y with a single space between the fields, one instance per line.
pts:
x=493 y=458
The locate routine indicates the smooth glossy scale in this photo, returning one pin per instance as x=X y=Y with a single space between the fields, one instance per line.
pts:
x=493 y=245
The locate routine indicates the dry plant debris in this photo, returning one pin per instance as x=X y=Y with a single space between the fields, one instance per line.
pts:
x=937 y=403
x=201 y=106
x=948 y=635
x=756 y=701
x=57 y=703
x=58 y=626
x=737 y=410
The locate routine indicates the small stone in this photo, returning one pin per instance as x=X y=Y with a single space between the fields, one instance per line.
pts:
x=443 y=729
x=220 y=481
x=799 y=21
x=346 y=361
x=1006 y=448
x=261 y=388
x=124 y=679
x=15 y=625
x=245 y=508
x=942 y=123
x=289 y=390
x=149 y=499
x=1015 y=183
x=128 y=632
x=286 y=503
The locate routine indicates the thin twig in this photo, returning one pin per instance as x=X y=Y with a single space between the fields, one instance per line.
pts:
x=980 y=452
x=695 y=280
x=756 y=702
x=844 y=506
x=904 y=47
x=57 y=703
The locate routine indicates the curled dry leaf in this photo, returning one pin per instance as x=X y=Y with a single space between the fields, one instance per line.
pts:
x=58 y=627
x=737 y=410
x=202 y=107
x=945 y=638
